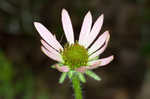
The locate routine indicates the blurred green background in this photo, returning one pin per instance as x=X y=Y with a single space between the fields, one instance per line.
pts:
x=25 y=72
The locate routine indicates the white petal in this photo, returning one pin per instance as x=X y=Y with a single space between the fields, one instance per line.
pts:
x=47 y=36
x=55 y=36
x=62 y=68
x=67 y=26
x=101 y=50
x=81 y=69
x=98 y=43
x=100 y=62
x=50 y=49
x=95 y=30
x=51 y=55
x=85 y=29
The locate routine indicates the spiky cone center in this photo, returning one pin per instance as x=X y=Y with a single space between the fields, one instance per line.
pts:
x=75 y=56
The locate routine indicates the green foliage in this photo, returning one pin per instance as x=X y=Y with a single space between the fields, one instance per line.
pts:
x=43 y=95
x=146 y=50
x=9 y=88
x=6 y=77
x=6 y=70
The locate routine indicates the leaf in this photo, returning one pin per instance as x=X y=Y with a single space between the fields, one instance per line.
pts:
x=93 y=75
x=70 y=74
x=62 y=77
x=81 y=77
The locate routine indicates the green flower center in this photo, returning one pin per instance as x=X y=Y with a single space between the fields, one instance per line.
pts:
x=75 y=56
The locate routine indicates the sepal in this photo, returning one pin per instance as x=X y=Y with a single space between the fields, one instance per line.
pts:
x=62 y=77
x=92 y=75
x=81 y=77
x=70 y=74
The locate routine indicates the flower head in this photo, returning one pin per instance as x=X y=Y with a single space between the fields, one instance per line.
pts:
x=76 y=57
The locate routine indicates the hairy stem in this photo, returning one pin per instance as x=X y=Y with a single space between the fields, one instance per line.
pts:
x=76 y=87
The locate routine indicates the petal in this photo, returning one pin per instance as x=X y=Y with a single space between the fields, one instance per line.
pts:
x=98 y=43
x=51 y=55
x=81 y=69
x=47 y=36
x=95 y=30
x=50 y=49
x=55 y=36
x=101 y=50
x=67 y=26
x=100 y=62
x=62 y=68
x=86 y=27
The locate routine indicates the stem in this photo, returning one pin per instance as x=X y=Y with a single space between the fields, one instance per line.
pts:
x=76 y=87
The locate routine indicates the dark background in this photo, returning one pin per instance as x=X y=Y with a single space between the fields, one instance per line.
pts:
x=25 y=72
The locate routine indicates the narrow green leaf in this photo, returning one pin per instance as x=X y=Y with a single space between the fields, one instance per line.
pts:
x=62 y=77
x=93 y=75
x=81 y=77
x=70 y=74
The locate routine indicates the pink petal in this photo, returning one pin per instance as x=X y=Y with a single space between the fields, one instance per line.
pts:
x=62 y=68
x=100 y=62
x=81 y=69
x=47 y=36
x=50 y=49
x=55 y=36
x=86 y=27
x=51 y=55
x=101 y=50
x=98 y=43
x=67 y=26
x=95 y=30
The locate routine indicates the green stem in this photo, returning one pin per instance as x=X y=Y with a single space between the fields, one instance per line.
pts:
x=76 y=87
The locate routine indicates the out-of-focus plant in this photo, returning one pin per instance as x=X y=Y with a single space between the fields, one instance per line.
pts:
x=6 y=77
x=13 y=86
x=145 y=20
